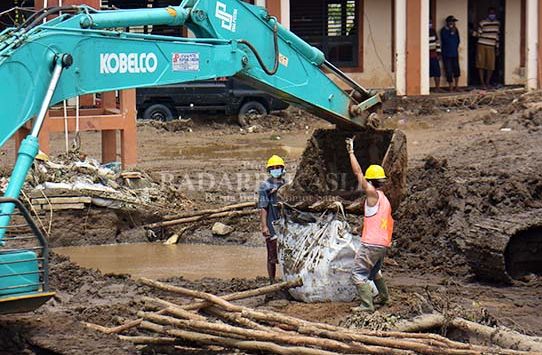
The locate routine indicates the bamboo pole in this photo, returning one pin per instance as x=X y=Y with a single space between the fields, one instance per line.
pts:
x=231 y=343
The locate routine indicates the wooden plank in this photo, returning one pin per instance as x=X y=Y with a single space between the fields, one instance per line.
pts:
x=60 y=206
x=60 y=200
x=54 y=193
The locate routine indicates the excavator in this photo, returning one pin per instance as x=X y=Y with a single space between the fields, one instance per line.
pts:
x=80 y=50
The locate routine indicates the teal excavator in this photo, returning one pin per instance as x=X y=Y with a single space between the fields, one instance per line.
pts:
x=82 y=50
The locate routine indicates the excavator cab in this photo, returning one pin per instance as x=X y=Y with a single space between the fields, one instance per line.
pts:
x=23 y=263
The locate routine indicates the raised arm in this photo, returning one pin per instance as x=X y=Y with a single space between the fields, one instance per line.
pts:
x=369 y=189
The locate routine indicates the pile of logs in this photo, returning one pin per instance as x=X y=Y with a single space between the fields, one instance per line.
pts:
x=237 y=210
x=212 y=320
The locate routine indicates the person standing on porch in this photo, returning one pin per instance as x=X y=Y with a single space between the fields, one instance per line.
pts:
x=449 y=39
x=488 y=46
x=434 y=56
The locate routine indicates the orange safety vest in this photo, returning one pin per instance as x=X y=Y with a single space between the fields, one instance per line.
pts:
x=378 y=228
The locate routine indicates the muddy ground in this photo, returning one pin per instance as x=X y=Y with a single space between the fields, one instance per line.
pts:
x=474 y=176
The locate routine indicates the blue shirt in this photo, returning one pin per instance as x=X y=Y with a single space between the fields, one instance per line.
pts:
x=449 y=42
x=267 y=199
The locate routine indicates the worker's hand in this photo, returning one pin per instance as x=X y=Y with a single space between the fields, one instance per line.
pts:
x=350 y=145
x=265 y=232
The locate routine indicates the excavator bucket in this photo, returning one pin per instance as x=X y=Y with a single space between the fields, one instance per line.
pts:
x=23 y=263
x=324 y=175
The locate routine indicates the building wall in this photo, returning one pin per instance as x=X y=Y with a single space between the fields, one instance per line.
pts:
x=377 y=45
x=513 y=72
x=459 y=9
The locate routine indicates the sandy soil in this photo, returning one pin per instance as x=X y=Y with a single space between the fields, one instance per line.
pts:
x=462 y=171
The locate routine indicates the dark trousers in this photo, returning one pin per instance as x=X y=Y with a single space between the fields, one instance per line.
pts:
x=451 y=66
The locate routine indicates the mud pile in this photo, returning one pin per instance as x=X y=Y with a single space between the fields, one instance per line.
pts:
x=525 y=112
x=478 y=212
x=325 y=175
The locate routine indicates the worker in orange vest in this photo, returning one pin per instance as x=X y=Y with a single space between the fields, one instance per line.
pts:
x=375 y=237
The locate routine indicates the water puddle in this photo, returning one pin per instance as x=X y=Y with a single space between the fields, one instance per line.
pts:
x=192 y=261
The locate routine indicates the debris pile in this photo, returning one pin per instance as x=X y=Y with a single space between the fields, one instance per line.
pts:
x=287 y=120
x=71 y=182
x=525 y=111
x=460 y=217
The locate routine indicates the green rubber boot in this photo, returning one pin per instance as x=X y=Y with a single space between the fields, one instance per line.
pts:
x=383 y=295
x=365 y=293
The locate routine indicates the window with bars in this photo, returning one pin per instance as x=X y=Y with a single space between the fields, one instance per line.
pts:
x=330 y=25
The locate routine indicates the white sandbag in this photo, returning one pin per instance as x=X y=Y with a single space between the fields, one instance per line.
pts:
x=320 y=249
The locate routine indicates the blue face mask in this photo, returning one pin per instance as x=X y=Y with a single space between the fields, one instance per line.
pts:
x=276 y=173
x=492 y=17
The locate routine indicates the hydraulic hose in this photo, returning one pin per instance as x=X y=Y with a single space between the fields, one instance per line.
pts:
x=259 y=58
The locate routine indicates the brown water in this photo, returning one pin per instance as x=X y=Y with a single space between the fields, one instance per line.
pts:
x=192 y=261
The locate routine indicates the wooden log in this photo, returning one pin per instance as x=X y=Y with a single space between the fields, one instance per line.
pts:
x=239 y=319
x=231 y=343
x=306 y=328
x=198 y=305
x=249 y=293
x=251 y=334
x=227 y=214
x=504 y=338
x=149 y=340
x=237 y=206
x=229 y=297
x=173 y=309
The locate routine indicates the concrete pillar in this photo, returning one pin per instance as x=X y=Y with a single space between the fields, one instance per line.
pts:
x=109 y=137
x=274 y=8
x=128 y=136
x=532 y=38
x=400 y=47
x=417 y=47
x=539 y=77
x=424 y=48
x=285 y=13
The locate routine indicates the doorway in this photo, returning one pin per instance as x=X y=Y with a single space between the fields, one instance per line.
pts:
x=478 y=10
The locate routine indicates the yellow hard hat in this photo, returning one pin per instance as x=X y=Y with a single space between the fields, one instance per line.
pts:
x=374 y=172
x=42 y=156
x=275 y=160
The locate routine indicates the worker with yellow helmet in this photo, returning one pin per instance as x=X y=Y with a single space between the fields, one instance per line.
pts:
x=376 y=235
x=269 y=212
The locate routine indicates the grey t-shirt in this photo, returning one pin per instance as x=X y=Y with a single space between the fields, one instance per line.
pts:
x=267 y=198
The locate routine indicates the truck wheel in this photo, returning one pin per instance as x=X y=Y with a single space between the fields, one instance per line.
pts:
x=159 y=112
x=250 y=110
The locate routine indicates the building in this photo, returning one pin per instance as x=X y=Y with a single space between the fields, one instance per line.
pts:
x=384 y=43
